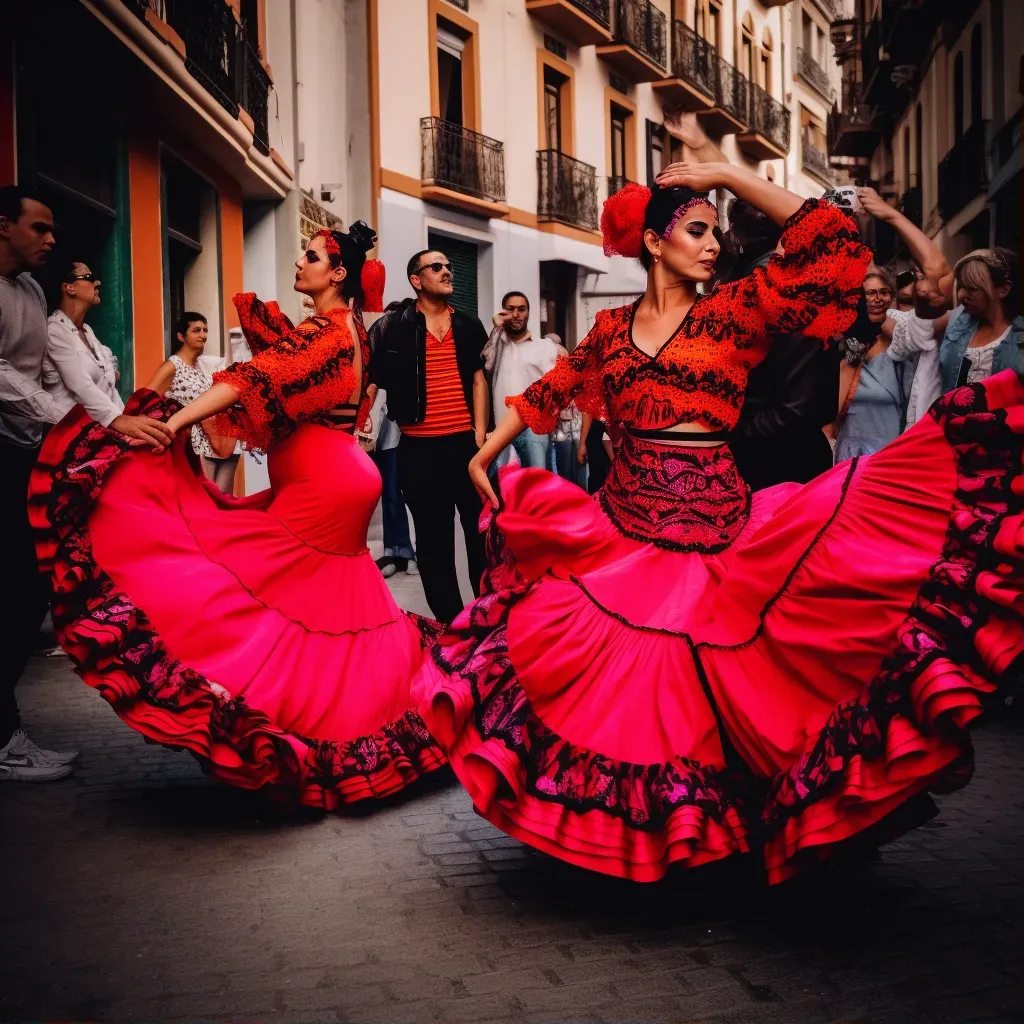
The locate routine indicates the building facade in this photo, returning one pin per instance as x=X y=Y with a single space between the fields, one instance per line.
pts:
x=932 y=100
x=510 y=124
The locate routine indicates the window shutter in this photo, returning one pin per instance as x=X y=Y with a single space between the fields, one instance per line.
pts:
x=463 y=258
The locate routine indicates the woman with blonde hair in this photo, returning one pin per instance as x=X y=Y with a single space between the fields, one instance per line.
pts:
x=984 y=334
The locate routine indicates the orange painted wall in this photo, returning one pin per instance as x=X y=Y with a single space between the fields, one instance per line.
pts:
x=147 y=257
x=232 y=249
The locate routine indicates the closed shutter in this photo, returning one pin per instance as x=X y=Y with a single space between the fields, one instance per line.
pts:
x=463 y=259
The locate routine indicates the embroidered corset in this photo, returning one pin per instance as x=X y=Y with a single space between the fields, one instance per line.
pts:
x=700 y=374
x=297 y=374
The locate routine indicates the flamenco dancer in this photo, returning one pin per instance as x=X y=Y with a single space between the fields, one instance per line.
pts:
x=256 y=633
x=677 y=672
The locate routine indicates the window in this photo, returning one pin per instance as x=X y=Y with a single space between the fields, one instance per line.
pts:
x=958 y=95
x=554 y=83
x=808 y=33
x=766 y=61
x=977 y=73
x=907 y=175
x=746 y=57
x=655 y=151
x=450 y=49
x=919 y=144
x=707 y=21
x=619 y=117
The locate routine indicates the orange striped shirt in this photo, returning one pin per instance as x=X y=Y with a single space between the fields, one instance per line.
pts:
x=446 y=401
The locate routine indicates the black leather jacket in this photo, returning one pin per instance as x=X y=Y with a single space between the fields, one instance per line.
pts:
x=398 y=364
x=791 y=394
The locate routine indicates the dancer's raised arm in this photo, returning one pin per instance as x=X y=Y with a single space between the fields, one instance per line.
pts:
x=778 y=203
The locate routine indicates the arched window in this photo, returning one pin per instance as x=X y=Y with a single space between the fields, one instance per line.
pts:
x=746 y=56
x=958 y=95
x=977 y=74
x=767 y=45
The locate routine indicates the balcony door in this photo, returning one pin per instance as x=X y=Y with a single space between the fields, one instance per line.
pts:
x=553 y=110
x=450 y=50
x=619 y=116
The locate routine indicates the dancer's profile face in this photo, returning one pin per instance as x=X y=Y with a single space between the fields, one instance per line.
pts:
x=314 y=274
x=691 y=250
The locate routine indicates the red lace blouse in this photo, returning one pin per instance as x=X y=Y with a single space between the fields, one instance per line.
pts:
x=296 y=374
x=700 y=373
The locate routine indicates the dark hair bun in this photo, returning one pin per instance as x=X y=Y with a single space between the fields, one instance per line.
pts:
x=363 y=236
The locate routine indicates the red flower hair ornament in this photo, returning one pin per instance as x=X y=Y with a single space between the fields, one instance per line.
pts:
x=626 y=213
x=622 y=221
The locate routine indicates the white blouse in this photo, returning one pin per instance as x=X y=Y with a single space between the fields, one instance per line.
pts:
x=188 y=384
x=77 y=368
x=981 y=359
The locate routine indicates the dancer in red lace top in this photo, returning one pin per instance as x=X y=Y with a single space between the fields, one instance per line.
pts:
x=667 y=673
x=256 y=633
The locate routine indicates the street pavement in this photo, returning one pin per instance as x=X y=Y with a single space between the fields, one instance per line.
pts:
x=137 y=890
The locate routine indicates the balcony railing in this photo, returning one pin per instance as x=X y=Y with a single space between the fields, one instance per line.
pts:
x=963 y=172
x=693 y=58
x=566 y=190
x=219 y=55
x=465 y=161
x=768 y=117
x=814 y=160
x=599 y=10
x=814 y=74
x=616 y=183
x=641 y=25
x=912 y=205
x=732 y=90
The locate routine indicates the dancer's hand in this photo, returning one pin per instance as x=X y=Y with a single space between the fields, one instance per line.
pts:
x=478 y=474
x=686 y=128
x=699 y=177
x=144 y=430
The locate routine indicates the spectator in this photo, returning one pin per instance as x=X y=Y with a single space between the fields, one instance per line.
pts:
x=428 y=358
x=568 y=437
x=77 y=368
x=513 y=360
x=913 y=344
x=875 y=389
x=398 y=550
x=183 y=378
x=984 y=334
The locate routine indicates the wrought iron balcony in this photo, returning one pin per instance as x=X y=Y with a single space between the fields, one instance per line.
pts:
x=582 y=22
x=855 y=134
x=767 y=135
x=963 y=172
x=458 y=160
x=616 y=183
x=640 y=45
x=566 y=190
x=814 y=160
x=732 y=99
x=912 y=205
x=692 y=85
x=219 y=55
x=814 y=74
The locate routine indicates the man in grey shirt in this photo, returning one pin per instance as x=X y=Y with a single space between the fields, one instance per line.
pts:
x=26 y=410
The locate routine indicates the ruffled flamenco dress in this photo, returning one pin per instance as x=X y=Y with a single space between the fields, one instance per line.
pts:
x=674 y=672
x=255 y=633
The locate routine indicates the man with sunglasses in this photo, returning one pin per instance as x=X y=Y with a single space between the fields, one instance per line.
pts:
x=26 y=411
x=428 y=357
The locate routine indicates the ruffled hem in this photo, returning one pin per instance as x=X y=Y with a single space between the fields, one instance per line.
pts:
x=623 y=819
x=907 y=732
x=117 y=652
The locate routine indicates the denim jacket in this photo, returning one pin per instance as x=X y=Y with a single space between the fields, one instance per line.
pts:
x=1009 y=354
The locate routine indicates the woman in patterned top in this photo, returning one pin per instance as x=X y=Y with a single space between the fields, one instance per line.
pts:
x=677 y=672
x=256 y=633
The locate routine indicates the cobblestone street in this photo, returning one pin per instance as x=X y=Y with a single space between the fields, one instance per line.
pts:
x=136 y=890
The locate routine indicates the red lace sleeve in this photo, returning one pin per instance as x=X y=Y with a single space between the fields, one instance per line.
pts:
x=262 y=323
x=576 y=379
x=813 y=288
x=305 y=373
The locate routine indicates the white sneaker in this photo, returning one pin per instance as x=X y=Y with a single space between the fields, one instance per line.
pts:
x=412 y=569
x=26 y=768
x=20 y=746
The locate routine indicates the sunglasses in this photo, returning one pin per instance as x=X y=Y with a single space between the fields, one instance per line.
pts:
x=91 y=278
x=435 y=267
